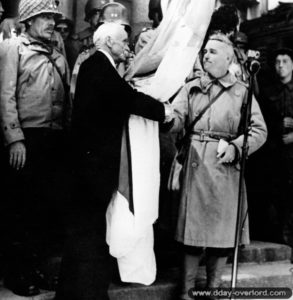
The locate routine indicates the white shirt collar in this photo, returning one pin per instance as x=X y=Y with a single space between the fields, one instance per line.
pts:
x=109 y=57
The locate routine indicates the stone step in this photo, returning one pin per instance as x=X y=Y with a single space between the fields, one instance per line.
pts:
x=257 y=252
x=274 y=274
x=262 y=264
x=260 y=252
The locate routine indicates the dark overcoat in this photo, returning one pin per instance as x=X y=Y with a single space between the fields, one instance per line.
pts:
x=102 y=105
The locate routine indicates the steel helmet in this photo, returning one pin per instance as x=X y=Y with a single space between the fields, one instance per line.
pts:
x=92 y=6
x=115 y=12
x=31 y=8
x=66 y=20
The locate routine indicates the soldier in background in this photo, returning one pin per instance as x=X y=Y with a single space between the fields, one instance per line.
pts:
x=34 y=119
x=64 y=26
x=92 y=13
x=110 y=12
x=85 y=38
x=277 y=104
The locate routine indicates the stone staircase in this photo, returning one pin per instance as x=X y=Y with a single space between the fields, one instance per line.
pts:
x=261 y=264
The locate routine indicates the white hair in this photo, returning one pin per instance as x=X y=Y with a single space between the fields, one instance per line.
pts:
x=104 y=31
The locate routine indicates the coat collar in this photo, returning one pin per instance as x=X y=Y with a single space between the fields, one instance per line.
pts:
x=288 y=85
x=36 y=45
x=205 y=81
x=110 y=58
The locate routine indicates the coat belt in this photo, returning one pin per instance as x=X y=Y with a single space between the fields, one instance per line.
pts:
x=211 y=136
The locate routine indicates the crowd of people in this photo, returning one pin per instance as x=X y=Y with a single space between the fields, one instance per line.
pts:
x=64 y=107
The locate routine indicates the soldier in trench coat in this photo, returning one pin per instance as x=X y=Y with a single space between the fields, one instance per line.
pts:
x=209 y=195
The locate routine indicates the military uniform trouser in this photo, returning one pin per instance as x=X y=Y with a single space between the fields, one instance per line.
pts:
x=33 y=212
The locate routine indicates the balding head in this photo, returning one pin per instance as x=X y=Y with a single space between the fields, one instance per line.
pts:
x=218 y=55
x=113 y=38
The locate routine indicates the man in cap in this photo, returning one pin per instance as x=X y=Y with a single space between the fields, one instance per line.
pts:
x=34 y=114
x=277 y=105
x=99 y=116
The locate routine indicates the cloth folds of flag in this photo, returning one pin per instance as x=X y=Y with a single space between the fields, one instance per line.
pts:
x=169 y=56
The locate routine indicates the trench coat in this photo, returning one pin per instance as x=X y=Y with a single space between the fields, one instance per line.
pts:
x=209 y=195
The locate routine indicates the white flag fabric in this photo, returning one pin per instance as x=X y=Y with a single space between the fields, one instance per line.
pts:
x=170 y=55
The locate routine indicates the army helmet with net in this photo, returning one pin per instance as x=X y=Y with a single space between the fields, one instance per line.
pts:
x=32 y=8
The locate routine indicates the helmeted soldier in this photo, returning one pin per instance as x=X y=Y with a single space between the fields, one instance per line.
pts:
x=64 y=25
x=116 y=13
x=111 y=12
x=34 y=118
x=92 y=13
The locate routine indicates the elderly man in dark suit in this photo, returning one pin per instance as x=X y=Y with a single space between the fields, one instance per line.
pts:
x=102 y=105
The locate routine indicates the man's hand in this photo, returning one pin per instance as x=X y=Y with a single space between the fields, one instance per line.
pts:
x=144 y=37
x=288 y=138
x=17 y=155
x=288 y=122
x=228 y=155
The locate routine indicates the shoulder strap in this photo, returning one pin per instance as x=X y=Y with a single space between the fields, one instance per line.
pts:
x=198 y=117
x=58 y=70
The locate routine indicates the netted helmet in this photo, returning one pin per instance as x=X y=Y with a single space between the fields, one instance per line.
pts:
x=31 y=8
x=92 y=6
x=116 y=13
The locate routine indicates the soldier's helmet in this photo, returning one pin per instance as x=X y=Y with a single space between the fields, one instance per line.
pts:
x=92 y=6
x=65 y=20
x=32 y=8
x=116 y=13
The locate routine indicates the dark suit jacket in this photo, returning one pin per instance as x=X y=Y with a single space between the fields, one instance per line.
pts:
x=102 y=106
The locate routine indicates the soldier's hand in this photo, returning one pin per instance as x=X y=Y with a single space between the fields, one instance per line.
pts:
x=288 y=138
x=17 y=155
x=228 y=155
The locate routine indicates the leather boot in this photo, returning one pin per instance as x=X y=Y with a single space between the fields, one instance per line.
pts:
x=19 y=273
x=189 y=271
x=214 y=269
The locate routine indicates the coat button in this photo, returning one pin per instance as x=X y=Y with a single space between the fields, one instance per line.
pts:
x=194 y=164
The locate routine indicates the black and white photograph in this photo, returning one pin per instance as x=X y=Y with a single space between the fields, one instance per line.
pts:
x=146 y=149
